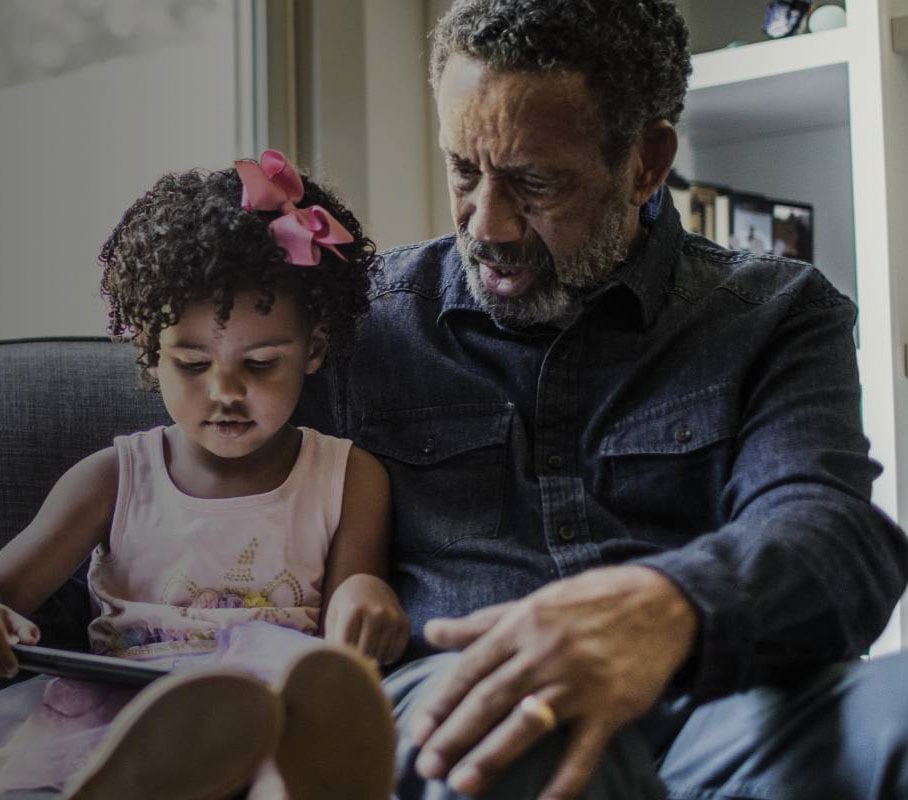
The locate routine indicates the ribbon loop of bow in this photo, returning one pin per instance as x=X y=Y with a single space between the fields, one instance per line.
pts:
x=274 y=184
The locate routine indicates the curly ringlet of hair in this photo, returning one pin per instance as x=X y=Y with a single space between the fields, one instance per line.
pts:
x=633 y=53
x=188 y=240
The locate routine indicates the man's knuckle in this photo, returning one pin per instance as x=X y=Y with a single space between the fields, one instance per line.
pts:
x=488 y=763
x=535 y=614
x=485 y=697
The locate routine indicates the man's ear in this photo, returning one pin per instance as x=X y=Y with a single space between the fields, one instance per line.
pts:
x=318 y=348
x=655 y=151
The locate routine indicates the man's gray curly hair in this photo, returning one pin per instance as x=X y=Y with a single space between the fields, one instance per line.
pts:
x=634 y=53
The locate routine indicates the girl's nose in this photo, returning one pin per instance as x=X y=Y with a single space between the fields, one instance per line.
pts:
x=226 y=388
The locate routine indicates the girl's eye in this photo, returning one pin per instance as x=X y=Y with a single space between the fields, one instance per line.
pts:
x=192 y=367
x=260 y=366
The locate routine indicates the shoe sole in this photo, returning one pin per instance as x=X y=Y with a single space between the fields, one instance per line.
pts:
x=338 y=740
x=194 y=736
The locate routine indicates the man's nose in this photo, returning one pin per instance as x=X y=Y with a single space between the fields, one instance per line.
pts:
x=226 y=387
x=496 y=216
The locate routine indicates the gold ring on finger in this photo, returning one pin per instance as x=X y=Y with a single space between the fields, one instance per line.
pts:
x=540 y=710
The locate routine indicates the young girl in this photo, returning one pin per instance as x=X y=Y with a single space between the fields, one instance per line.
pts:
x=218 y=542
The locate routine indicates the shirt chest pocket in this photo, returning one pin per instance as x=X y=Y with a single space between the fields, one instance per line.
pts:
x=447 y=469
x=668 y=464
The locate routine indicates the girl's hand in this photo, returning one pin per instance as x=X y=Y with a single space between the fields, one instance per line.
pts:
x=14 y=628
x=364 y=612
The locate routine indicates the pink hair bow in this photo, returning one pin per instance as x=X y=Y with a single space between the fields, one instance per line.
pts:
x=274 y=184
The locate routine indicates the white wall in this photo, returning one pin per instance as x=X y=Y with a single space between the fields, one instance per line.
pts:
x=397 y=122
x=368 y=121
x=77 y=148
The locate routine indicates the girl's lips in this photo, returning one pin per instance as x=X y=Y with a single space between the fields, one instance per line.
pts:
x=231 y=429
x=506 y=281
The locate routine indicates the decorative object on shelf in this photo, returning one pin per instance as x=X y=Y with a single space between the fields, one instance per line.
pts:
x=709 y=212
x=826 y=18
x=743 y=221
x=704 y=208
x=785 y=18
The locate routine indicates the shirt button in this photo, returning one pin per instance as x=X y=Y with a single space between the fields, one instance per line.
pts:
x=567 y=532
x=683 y=434
x=428 y=446
x=555 y=462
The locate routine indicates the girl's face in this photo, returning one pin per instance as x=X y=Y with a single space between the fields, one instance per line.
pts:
x=232 y=389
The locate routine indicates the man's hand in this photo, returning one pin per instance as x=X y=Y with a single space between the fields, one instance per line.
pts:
x=599 y=648
x=14 y=628
x=364 y=612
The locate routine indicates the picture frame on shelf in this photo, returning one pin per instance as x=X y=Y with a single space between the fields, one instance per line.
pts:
x=792 y=230
x=751 y=226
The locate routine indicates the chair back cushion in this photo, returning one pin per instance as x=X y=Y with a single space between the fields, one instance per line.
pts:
x=60 y=400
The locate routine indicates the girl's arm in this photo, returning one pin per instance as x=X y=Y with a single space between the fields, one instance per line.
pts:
x=358 y=607
x=73 y=519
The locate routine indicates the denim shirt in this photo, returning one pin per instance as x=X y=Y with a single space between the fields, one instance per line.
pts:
x=700 y=417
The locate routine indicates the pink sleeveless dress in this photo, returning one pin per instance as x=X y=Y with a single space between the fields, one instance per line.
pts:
x=188 y=583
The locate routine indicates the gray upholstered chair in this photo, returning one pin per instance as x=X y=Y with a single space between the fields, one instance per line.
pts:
x=61 y=399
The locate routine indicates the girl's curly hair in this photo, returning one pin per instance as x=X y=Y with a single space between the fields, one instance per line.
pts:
x=634 y=53
x=188 y=240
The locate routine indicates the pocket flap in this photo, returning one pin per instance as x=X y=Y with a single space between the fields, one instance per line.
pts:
x=676 y=426
x=432 y=434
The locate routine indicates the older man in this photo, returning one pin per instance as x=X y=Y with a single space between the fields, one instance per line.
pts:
x=630 y=461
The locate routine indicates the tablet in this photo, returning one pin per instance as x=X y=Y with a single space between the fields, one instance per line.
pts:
x=85 y=666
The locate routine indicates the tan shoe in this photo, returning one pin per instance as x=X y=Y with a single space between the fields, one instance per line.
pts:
x=338 y=740
x=188 y=736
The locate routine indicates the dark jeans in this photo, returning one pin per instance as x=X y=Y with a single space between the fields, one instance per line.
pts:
x=843 y=735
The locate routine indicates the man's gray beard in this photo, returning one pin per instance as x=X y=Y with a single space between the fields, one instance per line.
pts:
x=558 y=292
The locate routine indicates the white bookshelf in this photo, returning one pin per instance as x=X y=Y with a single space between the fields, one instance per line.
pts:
x=823 y=118
x=792 y=85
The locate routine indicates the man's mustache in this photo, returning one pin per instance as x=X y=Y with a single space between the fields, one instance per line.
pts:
x=535 y=256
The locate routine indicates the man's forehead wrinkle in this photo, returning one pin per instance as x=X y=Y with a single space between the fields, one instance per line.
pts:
x=501 y=124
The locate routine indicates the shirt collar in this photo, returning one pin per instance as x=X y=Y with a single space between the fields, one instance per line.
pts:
x=645 y=275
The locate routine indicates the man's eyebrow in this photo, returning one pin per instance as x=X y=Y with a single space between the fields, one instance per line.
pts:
x=515 y=170
x=450 y=154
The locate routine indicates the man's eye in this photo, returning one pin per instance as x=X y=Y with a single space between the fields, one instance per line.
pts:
x=192 y=367
x=534 y=187
x=257 y=365
x=463 y=174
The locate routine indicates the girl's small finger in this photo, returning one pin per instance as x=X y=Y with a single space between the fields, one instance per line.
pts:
x=8 y=664
x=24 y=630
x=386 y=649
x=346 y=630
x=368 y=640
